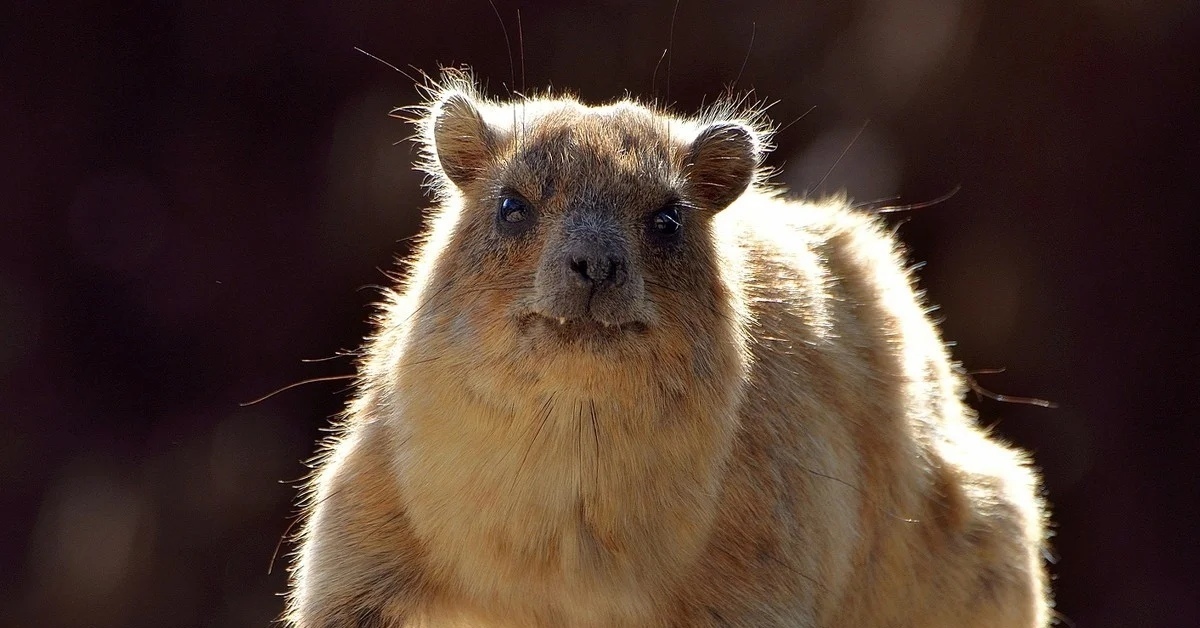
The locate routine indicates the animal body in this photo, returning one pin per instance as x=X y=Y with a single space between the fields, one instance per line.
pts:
x=624 y=382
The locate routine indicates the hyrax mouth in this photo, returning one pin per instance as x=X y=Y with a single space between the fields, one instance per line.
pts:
x=581 y=328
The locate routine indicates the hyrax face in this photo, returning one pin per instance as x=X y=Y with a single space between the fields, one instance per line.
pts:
x=588 y=226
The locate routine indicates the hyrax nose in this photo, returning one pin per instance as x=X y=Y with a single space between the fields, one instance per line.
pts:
x=597 y=267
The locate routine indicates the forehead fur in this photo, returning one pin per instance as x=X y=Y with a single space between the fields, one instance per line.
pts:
x=633 y=135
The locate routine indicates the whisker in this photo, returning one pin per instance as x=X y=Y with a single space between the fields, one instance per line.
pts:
x=839 y=158
x=521 y=48
x=340 y=354
x=314 y=380
x=753 y=30
x=983 y=392
x=670 y=54
x=511 y=68
x=402 y=72
x=654 y=77
x=890 y=209
x=798 y=118
x=287 y=532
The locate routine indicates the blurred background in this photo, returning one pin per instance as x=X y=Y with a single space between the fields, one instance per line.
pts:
x=199 y=196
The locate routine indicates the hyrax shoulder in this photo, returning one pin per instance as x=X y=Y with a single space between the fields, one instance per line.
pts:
x=625 y=384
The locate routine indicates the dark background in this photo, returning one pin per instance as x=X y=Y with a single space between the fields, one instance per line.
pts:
x=195 y=194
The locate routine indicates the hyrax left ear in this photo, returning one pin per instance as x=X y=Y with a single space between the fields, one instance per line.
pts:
x=462 y=140
x=721 y=164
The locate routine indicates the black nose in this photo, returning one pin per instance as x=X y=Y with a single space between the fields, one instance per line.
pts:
x=598 y=268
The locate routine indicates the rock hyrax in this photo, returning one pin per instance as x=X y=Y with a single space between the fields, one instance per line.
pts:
x=626 y=383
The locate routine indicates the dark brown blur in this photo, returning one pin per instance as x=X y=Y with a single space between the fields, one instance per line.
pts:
x=196 y=197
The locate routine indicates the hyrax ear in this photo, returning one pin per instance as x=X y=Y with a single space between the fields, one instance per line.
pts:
x=721 y=163
x=462 y=140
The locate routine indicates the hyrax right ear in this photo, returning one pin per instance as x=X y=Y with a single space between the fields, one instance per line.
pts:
x=722 y=163
x=462 y=140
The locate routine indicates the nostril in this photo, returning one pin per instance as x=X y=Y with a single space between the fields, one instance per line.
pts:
x=580 y=266
x=616 y=270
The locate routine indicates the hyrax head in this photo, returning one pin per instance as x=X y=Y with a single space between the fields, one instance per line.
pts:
x=585 y=224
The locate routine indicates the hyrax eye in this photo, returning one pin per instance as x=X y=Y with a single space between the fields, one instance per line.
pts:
x=513 y=210
x=666 y=222
x=513 y=214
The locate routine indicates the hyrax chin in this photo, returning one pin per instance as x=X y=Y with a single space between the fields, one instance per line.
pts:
x=625 y=384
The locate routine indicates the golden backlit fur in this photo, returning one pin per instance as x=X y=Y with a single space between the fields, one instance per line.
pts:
x=760 y=428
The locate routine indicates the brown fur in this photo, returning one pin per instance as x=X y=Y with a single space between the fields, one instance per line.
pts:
x=769 y=433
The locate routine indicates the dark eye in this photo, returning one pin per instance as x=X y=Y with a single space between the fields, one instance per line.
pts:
x=513 y=210
x=514 y=214
x=666 y=221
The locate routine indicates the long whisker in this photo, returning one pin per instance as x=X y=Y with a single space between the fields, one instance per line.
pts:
x=521 y=48
x=890 y=209
x=798 y=118
x=287 y=532
x=839 y=158
x=980 y=390
x=331 y=378
x=753 y=30
x=654 y=76
x=402 y=72
x=508 y=45
x=670 y=53
x=340 y=354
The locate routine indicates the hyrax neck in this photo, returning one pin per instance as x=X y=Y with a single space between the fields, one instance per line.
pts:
x=562 y=490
